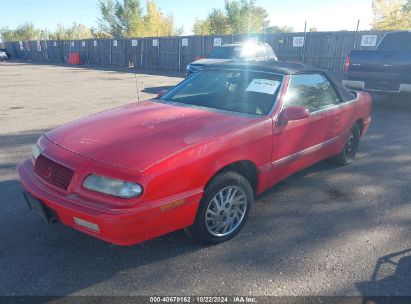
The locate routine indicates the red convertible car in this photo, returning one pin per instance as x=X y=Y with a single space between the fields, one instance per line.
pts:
x=194 y=157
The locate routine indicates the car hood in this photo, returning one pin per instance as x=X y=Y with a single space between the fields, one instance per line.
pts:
x=207 y=61
x=141 y=134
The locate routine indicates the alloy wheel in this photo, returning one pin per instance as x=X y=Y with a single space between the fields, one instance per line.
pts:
x=226 y=211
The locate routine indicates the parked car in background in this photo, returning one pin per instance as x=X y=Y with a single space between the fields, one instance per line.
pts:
x=196 y=156
x=386 y=69
x=3 y=55
x=235 y=51
x=7 y=53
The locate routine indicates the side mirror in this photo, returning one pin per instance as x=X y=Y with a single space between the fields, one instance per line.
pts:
x=292 y=113
x=161 y=94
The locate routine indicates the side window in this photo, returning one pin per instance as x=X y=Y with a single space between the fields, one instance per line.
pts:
x=269 y=52
x=396 y=42
x=312 y=91
x=259 y=53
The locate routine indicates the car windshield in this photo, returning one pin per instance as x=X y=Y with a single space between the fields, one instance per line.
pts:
x=226 y=52
x=239 y=91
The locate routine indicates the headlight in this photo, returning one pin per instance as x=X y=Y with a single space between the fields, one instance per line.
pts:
x=36 y=150
x=112 y=186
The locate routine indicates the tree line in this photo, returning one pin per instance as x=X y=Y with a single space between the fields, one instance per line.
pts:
x=128 y=18
x=237 y=17
x=391 y=15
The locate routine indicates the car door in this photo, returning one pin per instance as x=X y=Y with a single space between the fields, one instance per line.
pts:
x=304 y=142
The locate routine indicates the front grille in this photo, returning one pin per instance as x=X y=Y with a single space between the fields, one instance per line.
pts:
x=53 y=173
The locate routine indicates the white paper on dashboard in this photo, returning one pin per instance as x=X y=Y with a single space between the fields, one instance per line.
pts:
x=264 y=86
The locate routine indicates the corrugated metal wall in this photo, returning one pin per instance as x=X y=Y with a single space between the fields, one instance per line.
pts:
x=324 y=49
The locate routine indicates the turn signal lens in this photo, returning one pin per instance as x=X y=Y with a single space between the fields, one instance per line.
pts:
x=36 y=150
x=86 y=224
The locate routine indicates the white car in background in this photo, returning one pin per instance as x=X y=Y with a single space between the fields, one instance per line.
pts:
x=248 y=50
x=3 y=55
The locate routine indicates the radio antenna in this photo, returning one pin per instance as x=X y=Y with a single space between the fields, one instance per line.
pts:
x=131 y=65
x=138 y=91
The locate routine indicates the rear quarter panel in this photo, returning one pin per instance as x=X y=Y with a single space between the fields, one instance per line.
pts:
x=356 y=110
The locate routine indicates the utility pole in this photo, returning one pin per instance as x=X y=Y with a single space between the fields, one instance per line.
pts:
x=263 y=31
x=158 y=49
x=305 y=40
x=180 y=41
x=356 y=34
x=141 y=52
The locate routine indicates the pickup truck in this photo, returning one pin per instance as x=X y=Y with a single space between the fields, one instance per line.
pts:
x=386 y=69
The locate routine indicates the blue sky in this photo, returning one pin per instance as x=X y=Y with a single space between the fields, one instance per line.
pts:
x=323 y=14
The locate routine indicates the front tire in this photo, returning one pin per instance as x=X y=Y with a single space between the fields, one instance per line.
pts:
x=348 y=153
x=223 y=209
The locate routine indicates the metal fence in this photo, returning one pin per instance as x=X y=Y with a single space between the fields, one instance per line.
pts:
x=327 y=50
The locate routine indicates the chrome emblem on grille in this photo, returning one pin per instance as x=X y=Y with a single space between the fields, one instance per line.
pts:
x=48 y=172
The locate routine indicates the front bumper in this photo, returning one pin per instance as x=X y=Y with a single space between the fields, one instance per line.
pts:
x=126 y=227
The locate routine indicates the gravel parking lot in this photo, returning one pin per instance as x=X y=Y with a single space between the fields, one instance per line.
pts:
x=325 y=231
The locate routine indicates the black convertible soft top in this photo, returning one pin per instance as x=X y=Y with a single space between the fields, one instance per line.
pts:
x=284 y=68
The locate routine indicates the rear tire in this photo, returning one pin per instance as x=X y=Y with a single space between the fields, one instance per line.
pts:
x=348 y=153
x=223 y=209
